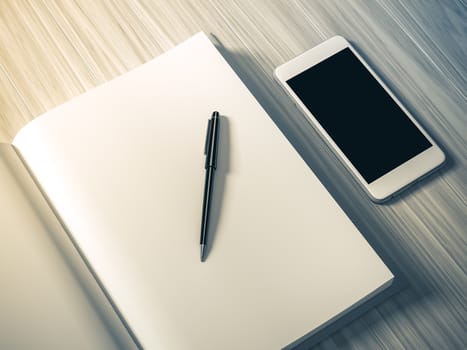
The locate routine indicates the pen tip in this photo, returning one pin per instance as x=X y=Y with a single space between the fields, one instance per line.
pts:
x=215 y=114
x=202 y=252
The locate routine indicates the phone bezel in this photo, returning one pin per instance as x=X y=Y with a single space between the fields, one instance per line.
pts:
x=397 y=179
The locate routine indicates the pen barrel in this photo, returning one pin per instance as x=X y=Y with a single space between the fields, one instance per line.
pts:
x=207 y=199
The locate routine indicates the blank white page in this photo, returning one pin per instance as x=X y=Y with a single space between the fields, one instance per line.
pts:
x=123 y=166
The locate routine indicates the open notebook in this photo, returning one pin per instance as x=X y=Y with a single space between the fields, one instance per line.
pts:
x=123 y=168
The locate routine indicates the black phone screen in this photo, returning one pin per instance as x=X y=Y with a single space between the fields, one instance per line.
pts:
x=367 y=125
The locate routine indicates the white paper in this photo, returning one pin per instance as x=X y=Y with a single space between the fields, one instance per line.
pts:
x=123 y=165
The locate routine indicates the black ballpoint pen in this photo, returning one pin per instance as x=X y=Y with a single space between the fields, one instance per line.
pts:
x=210 y=150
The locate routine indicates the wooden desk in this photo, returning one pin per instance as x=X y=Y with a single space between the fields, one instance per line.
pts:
x=52 y=50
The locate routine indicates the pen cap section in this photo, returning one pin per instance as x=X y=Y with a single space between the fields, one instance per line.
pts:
x=206 y=142
x=212 y=140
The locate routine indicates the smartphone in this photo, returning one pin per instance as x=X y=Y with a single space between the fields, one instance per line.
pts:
x=363 y=122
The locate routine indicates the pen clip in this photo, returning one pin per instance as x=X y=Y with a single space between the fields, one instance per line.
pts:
x=208 y=137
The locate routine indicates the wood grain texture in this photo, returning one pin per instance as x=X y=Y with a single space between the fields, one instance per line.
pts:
x=52 y=50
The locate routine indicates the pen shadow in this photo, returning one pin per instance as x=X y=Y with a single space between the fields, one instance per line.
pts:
x=222 y=170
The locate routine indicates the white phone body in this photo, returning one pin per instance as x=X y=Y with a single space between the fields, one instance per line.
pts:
x=385 y=184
